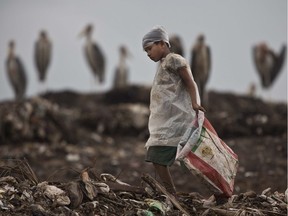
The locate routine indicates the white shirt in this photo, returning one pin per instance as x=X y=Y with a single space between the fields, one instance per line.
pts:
x=171 y=111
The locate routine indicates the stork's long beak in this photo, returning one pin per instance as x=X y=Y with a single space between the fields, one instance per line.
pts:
x=9 y=51
x=82 y=33
x=11 y=48
x=129 y=54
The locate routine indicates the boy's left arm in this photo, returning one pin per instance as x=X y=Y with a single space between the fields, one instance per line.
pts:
x=191 y=87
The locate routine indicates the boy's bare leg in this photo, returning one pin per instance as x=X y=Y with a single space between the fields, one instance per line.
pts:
x=165 y=176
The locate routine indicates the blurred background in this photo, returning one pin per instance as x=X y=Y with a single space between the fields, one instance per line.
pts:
x=231 y=29
x=81 y=122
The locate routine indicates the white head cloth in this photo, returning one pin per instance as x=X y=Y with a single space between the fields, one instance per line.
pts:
x=157 y=33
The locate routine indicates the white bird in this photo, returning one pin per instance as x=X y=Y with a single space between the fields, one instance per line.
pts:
x=43 y=49
x=268 y=63
x=94 y=54
x=201 y=64
x=121 y=72
x=16 y=72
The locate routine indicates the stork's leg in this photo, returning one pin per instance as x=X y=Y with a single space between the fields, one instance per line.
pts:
x=203 y=95
x=201 y=91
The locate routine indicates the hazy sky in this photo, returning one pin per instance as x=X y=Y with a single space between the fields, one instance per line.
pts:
x=231 y=29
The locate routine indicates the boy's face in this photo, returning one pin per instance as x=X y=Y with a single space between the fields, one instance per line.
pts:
x=155 y=51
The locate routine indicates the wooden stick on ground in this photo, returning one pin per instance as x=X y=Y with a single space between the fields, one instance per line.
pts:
x=147 y=178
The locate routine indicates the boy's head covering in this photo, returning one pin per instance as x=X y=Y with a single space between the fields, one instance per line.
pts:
x=157 y=33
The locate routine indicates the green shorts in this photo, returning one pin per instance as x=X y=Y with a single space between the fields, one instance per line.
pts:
x=163 y=155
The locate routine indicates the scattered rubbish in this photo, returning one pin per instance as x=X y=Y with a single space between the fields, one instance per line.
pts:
x=67 y=153
x=22 y=197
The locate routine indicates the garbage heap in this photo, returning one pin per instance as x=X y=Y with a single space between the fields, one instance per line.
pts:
x=91 y=194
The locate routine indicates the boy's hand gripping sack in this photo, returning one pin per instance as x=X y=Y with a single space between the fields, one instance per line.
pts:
x=207 y=156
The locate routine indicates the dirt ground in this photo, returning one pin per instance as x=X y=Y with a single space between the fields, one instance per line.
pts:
x=262 y=163
x=66 y=132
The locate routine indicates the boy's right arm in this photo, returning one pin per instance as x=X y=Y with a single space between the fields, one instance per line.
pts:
x=191 y=87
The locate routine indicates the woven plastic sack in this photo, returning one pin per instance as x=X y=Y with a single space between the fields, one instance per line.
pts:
x=208 y=157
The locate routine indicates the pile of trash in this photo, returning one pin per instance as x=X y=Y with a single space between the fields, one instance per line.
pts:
x=87 y=153
x=72 y=116
x=39 y=119
x=91 y=194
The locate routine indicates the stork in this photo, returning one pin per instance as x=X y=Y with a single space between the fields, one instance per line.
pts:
x=42 y=56
x=16 y=72
x=176 y=45
x=94 y=54
x=201 y=64
x=268 y=63
x=121 y=71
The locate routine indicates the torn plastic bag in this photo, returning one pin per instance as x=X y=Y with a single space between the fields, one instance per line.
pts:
x=207 y=156
x=190 y=137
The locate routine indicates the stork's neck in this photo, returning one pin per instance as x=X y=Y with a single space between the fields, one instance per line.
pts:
x=201 y=44
x=11 y=53
x=122 y=60
x=45 y=39
x=89 y=38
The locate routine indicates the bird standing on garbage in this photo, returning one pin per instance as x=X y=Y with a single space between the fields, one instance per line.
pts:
x=176 y=45
x=121 y=71
x=268 y=63
x=201 y=64
x=16 y=72
x=43 y=49
x=94 y=54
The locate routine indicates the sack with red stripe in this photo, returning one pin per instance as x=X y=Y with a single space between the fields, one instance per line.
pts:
x=207 y=156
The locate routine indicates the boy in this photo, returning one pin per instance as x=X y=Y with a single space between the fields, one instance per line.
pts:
x=174 y=103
